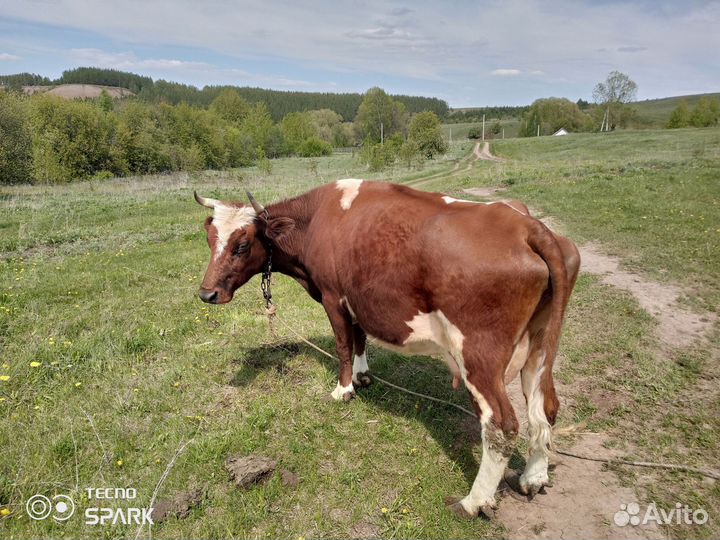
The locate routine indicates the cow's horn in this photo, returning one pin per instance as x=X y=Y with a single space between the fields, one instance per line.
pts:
x=259 y=208
x=208 y=203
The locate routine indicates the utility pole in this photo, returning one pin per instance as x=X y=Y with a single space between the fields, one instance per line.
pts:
x=538 y=130
x=382 y=134
x=483 y=135
x=503 y=133
x=450 y=135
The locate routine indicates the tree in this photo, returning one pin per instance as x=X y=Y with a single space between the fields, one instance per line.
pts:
x=297 y=127
x=105 y=101
x=552 y=114
x=680 y=116
x=230 y=105
x=706 y=113
x=378 y=109
x=15 y=140
x=426 y=132
x=613 y=95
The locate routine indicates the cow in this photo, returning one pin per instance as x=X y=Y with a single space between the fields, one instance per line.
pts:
x=484 y=286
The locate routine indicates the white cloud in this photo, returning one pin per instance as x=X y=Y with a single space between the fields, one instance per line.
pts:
x=506 y=72
x=7 y=56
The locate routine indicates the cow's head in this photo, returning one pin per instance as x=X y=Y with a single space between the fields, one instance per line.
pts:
x=239 y=238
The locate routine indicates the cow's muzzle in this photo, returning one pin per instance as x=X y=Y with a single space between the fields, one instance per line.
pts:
x=210 y=297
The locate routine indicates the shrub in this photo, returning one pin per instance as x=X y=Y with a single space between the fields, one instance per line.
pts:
x=15 y=140
x=314 y=147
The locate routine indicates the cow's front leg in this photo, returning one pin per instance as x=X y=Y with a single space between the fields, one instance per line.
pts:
x=341 y=323
x=360 y=370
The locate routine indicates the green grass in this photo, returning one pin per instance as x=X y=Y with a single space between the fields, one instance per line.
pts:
x=656 y=112
x=98 y=284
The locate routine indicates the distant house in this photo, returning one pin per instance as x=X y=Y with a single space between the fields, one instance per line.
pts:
x=561 y=131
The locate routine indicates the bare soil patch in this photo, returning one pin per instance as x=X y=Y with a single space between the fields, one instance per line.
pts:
x=584 y=497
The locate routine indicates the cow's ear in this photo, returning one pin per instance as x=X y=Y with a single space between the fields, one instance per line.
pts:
x=278 y=228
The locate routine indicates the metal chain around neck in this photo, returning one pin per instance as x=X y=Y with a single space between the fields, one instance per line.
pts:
x=267 y=273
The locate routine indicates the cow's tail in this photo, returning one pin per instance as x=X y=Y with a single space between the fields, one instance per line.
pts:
x=543 y=242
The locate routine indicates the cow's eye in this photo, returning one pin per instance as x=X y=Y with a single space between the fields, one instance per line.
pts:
x=242 y=248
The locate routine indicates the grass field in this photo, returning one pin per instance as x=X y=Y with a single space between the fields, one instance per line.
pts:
x=656 y=112
x=110 y=362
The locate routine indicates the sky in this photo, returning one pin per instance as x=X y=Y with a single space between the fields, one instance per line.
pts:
x=469 y=53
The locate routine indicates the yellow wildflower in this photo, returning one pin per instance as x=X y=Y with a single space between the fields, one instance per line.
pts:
x=78 y=384
x=119 y=463
x=35 y=364
x=4 y=512
x=384 y=510
x=4 y=378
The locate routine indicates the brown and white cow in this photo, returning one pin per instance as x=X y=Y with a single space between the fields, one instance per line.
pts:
x=484 y=286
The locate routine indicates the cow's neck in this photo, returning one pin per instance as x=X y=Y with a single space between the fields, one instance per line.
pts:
x=288 y=256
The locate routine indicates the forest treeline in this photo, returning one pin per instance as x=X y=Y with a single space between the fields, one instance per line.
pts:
x=47 y=139
x=278 y=102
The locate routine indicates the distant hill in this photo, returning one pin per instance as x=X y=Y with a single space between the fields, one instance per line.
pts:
x=656 y=112
x=278 y=102
x=79 y=91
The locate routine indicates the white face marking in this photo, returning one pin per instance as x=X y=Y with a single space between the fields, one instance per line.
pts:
x=227 y=220
x=340 y=391
x=350 y=188
x=360 y=365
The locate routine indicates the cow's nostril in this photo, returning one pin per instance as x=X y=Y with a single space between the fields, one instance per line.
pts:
x=208 y=296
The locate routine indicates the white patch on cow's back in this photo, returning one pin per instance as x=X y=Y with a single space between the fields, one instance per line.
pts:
x=350 y=188
x=227 y=220
x=451 y=200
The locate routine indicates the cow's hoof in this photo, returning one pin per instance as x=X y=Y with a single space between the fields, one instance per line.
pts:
x=488 y=511
x=363 y=380
x=532 y=489
x=512 y=481
x=453 y=504
x=343 y=393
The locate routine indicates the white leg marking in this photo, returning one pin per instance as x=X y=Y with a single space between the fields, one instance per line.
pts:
x=492 y=464
x=340 y=391
x=535 y=473
x=360 y=365
x=350 y=188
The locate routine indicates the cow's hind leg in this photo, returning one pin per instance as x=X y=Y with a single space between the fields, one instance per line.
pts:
x=360 y=370
x=542 y=406
x=499 y=432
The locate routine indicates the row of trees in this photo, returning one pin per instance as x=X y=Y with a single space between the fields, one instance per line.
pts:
x=47 y=139
x=612 y=96
x=279 y=103
x=706 y=113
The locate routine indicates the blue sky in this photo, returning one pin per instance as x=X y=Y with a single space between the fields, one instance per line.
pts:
x=490 y=52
